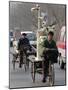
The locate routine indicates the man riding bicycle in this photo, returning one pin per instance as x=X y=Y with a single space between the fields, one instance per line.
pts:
x=23 y=46
x=49 y=54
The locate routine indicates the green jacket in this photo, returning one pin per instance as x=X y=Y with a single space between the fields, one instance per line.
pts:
x=52 y=44
x=52 y=54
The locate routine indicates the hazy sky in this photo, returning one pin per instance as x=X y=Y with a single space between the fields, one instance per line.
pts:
x=20 y=15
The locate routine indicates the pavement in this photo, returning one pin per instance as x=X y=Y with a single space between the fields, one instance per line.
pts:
x=19 y=78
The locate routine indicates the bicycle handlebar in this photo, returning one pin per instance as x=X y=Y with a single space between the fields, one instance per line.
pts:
x=51 y=49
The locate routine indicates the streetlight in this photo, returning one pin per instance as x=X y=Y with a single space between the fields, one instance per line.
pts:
x=39 y=17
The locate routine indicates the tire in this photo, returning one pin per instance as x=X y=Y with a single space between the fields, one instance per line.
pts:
x=31 y=72
x=13 y=62
x=24 y=60
x=59 y=62
x=13 y=65
x=52 y=77
x=11 y=44
x=62 y=65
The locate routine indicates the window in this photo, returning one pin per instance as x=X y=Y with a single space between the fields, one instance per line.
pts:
x=31 y=36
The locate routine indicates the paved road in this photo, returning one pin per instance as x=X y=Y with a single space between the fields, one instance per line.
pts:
x=20 y=78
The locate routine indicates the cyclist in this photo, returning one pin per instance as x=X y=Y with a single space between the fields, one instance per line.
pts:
x=49 y=43
x=23 y=45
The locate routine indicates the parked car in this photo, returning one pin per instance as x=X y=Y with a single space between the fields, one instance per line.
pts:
x=61 y=44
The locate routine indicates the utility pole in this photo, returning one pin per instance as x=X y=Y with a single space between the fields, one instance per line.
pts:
x=38 y=10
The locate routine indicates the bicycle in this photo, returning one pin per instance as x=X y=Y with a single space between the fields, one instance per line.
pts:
x=51 y=74
x=14 y=60
x=26 y=51
x=16 y=56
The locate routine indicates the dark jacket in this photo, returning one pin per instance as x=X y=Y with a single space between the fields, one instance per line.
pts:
x=51 y=55
x=23 y=43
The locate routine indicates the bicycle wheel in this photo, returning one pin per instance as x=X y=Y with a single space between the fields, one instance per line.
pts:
x=13 y=62
x=24 y=61
x=52 y=76
x=33 y=72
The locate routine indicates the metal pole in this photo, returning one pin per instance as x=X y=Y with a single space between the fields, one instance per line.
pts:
x=37 y=32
